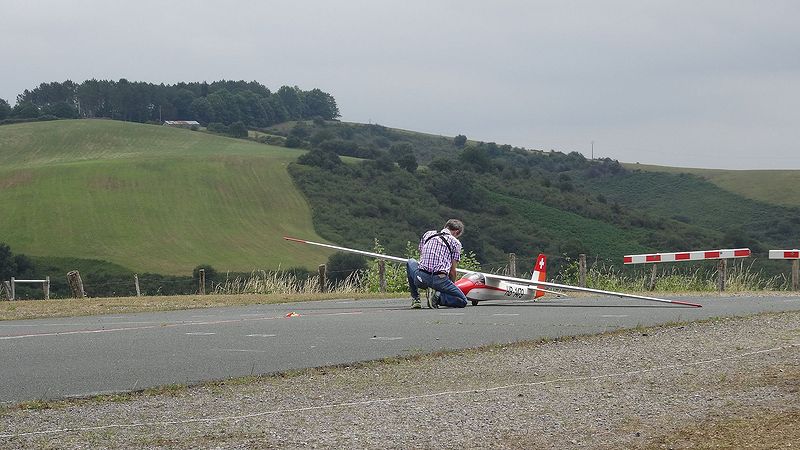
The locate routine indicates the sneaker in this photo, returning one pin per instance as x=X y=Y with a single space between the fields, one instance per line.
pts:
x=433 y=300
x=415 y=304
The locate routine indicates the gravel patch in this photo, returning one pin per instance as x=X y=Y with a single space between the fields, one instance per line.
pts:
x=631 y=389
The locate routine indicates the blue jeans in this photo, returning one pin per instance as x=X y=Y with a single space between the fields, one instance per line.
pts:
x=451 y=294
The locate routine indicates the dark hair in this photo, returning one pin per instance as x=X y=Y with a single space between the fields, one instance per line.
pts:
x=455 y=225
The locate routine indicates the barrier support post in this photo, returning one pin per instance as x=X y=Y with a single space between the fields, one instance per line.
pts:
x=582 y=270
x=13 y=289
x=652 y=286
x=722 y=269
x=512 y=264
x=136 y=282
x=46 y=286
x=202 y=280
x=795 y=266
x=323 y=284
x=382 y=275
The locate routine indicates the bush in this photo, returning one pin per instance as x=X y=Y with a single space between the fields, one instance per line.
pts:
x=320 y=158
x=343 y=265
x=271 y=139
x=216 y=127
x=294 y=142
x=237 y=130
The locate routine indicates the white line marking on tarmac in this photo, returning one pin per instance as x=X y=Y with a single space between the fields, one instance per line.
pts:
x=200 y=333
x=386 y=338
x=168 y=325
x=261 y=335
x=17 y=325
x=241 y=350
x=615 y=315
x=42 y=325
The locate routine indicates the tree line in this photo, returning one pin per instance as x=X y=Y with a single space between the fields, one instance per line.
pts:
x=224 y=102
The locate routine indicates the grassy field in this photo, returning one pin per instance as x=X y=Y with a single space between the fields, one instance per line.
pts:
x=150 y=198
x=768 y=186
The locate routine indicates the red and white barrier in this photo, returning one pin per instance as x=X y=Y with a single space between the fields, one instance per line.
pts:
x=784 y=254
x=687 y=256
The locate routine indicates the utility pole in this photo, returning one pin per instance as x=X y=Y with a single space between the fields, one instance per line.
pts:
x=592 y=150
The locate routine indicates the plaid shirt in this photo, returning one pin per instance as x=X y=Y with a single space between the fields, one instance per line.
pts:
x=434 y=255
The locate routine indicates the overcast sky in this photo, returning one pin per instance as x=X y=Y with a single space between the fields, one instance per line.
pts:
x=713 y=84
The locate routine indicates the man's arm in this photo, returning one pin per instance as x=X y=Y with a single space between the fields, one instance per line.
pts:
x=453 y=270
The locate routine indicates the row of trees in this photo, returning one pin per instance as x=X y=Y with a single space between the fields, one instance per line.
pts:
x=223 y=101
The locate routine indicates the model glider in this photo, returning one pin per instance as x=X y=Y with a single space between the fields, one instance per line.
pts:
x=481 y=287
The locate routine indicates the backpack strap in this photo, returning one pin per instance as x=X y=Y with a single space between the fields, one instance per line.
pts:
x=440 y=235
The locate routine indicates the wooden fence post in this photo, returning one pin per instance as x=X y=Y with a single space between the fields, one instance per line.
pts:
x=512 y=264
x=722 y=269
x=202 y=281
x=136 y=283
x=323 y=284
x=75 y=284
x=582 y=270
x=795 y=267
x=46 y=286
x=8 y=290
x=382 y=275
x=652 y=286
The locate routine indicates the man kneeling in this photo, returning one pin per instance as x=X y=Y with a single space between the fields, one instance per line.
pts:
x=436 y=269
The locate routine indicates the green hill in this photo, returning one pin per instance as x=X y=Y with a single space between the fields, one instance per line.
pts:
x=150 y=198
x=520 y=200
x=777 y=187
x=693 y=199
x=163 y=200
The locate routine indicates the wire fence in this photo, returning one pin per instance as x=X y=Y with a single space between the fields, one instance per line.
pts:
x=601 y=273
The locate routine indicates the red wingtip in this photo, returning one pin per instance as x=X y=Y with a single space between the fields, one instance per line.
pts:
x=696 y=305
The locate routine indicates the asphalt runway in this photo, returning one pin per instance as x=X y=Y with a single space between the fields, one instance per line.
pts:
x=80 y=356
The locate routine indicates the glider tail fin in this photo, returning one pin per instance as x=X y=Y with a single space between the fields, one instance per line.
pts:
x=539 y=272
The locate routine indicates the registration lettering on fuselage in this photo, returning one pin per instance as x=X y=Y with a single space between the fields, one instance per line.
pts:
x=514 y=290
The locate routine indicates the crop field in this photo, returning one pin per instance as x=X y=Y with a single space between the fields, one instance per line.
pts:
x=150 y=198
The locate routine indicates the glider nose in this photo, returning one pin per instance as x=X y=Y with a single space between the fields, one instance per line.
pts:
x=466 y=285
